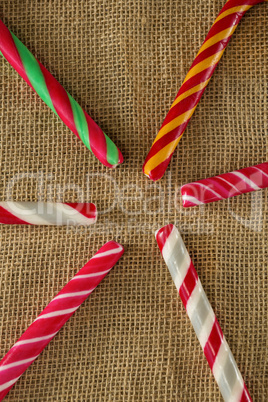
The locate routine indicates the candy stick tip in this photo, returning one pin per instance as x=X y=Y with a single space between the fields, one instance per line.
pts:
x=114 y=244
x=120 y=160
x=148 y=173
x=162 y=234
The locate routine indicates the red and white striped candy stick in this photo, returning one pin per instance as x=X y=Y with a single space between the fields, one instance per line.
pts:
x=49 y=213
x=200 y=312
x=225 y=185
x=55 y=315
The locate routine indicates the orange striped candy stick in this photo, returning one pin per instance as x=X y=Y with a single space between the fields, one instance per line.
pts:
x=194 y=86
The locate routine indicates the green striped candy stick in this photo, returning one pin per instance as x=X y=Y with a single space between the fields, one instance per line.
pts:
x=59 y=100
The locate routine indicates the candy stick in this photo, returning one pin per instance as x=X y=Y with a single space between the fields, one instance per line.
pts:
x=225 y=185
x=199 y=310
x=59 y=100
x=40 y=213
x=193 y=87
x=55 y=315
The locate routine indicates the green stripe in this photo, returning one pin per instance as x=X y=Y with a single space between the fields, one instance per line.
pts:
x=80 y=122
x=112 y=151
x=33 y=72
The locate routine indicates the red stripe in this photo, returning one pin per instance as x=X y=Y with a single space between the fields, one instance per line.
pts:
x=63 y=108
x=97 y=140
x=213 y=344
x=217 y=47
x=188 y=284
x=163 y=234
x=166 y=139
x=245 y=395
x=10 y=52
x=237 y=3
x=59 y=99
x=10 y=219
x=156 y=173
x=84 y=208
x=196 y=80
x=183 y=106
x=224 y=23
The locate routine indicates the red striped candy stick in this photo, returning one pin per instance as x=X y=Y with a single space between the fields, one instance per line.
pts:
x=194 y=86
x=50 y=213
x=59 y=100
x=225 y=185
x=55 y=315
x=200 y=312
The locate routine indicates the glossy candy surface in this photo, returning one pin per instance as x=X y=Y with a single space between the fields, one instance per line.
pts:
x=200 y=312
x=194 y=86
x=225 y=185
x=59 y=100
x=47 y=213
x=54 y=316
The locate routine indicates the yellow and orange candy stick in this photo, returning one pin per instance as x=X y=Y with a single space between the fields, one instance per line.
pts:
x=194 y=86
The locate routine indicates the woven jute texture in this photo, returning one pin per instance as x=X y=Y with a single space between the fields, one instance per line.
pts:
x=124 y=62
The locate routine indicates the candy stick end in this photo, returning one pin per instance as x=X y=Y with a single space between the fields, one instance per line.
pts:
x=113 y=244
x=162 y=234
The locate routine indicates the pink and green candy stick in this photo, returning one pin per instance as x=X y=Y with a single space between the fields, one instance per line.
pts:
x=59 y=100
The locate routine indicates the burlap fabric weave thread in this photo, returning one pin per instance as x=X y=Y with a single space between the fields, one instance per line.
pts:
x=124 y=62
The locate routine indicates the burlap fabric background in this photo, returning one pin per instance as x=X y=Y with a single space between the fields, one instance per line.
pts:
x=124 y=61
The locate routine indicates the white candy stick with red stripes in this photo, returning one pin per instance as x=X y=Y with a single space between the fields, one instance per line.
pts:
x=200 y=312
x=54 y=316
x=225 y=185
x=47 y=213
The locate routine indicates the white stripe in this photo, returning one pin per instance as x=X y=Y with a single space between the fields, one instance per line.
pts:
x=206 y=329
x=246 y=180
x=192 y=199
x=8 y=384
x=183 y=269
x=91 y=275
x=260 y=170
x=73 y=214
x=107 y=253
x=176 y=257
x=237 y=391
x=33 y=340
x=17 y=363
x=74 y=294
x=209 y=189
x=232 y=392
x=34 y=213
x=220 y=359
x=57 y=313
x=170 y=244
x=27 y=215
x=230 y=184
x=194 y=299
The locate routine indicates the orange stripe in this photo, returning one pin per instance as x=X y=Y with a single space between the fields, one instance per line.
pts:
x=175 y=123
x=217 y=38
x=208 y=62
x=161 y=156
x=232 y=11
x=190 y=92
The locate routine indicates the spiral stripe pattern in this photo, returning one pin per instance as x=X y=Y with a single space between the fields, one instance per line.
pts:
x=200 y=312
x=194 y=86
x=41 y=213
x=225 y=185
x=54 y=316
x=59 y=100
